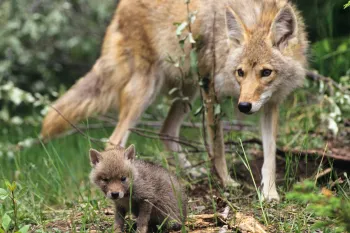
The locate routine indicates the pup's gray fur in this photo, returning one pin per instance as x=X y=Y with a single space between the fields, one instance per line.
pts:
x=154 y=195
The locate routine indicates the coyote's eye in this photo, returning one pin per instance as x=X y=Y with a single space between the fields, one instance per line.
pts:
x=266 y=73
x=123 y=178
x=240 y=72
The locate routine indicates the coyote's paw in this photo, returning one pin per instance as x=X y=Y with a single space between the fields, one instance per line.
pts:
x=231 y=183
x=184 y=163
x=109 y=145
x=270 y=195
x=196 y=172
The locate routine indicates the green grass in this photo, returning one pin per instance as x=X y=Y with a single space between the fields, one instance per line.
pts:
x=54 y=192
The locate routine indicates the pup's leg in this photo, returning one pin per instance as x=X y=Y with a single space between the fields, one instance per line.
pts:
x=119 y=218
x=135 y=97
x=144 y=217
x=172 y=125
x=269 y=122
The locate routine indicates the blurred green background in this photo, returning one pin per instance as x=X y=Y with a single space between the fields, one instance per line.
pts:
x=46 y=45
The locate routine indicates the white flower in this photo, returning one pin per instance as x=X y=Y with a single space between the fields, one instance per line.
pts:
x=44 y=111
x=10 y=154
x=16 y=95
x=16 y=120
x=27 y=142
x=29 y=98
x=332 y=126
x=8 y=86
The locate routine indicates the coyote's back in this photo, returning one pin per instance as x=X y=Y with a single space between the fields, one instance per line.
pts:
x=251 y=36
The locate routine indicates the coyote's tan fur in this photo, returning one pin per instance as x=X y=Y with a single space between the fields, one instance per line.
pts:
x=260 y=48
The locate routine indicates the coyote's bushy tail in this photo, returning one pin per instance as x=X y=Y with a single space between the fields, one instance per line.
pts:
x=94 y=93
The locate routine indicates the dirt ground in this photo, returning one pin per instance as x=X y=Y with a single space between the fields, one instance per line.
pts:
x=217 y=210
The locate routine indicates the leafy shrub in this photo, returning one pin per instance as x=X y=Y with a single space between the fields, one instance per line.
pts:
x=334 y=210
x=46 y=43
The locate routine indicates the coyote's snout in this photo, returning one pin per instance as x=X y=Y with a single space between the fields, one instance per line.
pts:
x=256 y=78
x=260 y=51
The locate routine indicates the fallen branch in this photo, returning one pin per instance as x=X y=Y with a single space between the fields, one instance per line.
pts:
x=227 y=125
x=166 y=137
x=240 y=221
x=312 y=75
x=293 y=152
x=196 y=147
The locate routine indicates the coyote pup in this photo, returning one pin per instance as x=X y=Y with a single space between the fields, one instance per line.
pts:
x=152 y=194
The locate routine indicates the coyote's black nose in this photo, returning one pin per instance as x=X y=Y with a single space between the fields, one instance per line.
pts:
x=245 y=107
x=115 y=195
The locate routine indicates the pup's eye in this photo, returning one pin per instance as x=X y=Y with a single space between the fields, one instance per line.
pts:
x=123 y=178
x=105 y=179
x=266 y=73
x=240 y=72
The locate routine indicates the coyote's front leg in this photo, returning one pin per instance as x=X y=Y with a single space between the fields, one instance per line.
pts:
x=217 y=150
x=269 y=123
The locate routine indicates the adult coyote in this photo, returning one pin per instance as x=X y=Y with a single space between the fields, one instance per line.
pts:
x=260 y=49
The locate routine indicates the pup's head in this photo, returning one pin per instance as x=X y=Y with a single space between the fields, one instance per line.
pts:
x=112 y=170
x=266 y=58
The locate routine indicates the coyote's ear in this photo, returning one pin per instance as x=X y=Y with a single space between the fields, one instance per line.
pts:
x=236 y=30
x=284 y=27
x=130 y=152
x=95 y=157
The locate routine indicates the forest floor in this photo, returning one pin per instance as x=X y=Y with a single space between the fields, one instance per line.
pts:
x=54 y=193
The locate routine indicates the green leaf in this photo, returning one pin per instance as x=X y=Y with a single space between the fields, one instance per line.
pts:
x=175 y=99
x=185 y=98
x=13 y=186
x=217 y=109
x=3 y=194
x=8 y=184
x=6 y=221
x=347 y=5
x=190 y=38
x=182 y=42
x=24 y=229
x=180 y=28
x=192 y=17
x=194 y=61
x=172 y=91
x=198 y=111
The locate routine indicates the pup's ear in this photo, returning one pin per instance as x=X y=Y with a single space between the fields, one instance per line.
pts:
x=284 y=27
x=236 y=30
x=95 y=157
x=130 y=152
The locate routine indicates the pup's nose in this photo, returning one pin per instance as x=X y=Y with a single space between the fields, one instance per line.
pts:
x=115 y=195
x=245 y=107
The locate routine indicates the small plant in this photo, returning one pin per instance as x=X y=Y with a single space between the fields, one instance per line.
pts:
x=334 y=210
x=10 y=218
x=347 y=5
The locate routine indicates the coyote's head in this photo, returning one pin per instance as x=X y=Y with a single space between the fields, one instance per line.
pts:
x=112 y=171
x=266 y=58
